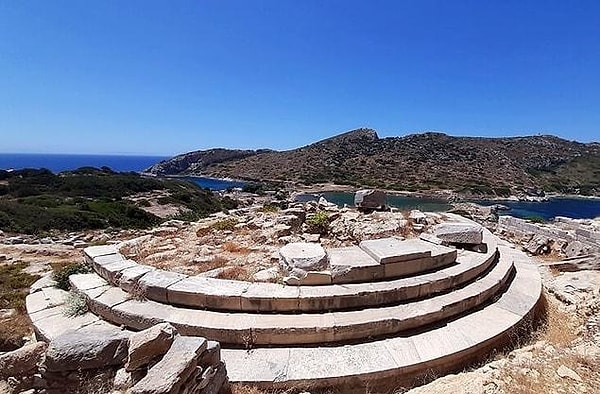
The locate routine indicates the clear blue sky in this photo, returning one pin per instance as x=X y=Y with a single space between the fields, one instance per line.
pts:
x=164 y=77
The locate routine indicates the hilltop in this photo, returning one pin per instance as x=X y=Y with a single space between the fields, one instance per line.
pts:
x=427 y=161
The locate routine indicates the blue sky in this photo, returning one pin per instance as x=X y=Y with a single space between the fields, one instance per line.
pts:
x=164 y=77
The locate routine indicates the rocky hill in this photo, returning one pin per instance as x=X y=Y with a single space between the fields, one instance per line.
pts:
x=428 y=161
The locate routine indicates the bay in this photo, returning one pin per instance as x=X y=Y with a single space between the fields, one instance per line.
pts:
x=576 y=208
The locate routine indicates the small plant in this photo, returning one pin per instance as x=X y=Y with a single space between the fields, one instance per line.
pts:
x=535 y=219
x=61 y=274
x=318 y=223
x=224 y=225
x=75 y=305
x=269 y=207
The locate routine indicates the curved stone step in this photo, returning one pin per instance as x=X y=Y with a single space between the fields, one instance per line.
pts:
x=402 y=359
x=243 y=329
x=235 y=296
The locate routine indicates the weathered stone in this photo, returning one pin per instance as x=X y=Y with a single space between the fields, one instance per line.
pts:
x=303 y=256
x=145 y=346
x=369 y=199
x=391 y=250
x=212 y=355
x=566 y=372
x=125 y=379
x=87 y=349
x=169 y=374
x=266 y=275
x=577 y=248
x=417 y=217
x=538 y=245
x=22 y=361
x=459 y=233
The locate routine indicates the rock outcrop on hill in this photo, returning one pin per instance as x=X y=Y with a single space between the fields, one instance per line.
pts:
x=428 y=161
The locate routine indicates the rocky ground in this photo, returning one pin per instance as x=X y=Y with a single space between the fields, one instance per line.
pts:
x=560 y=355
x=244 y=243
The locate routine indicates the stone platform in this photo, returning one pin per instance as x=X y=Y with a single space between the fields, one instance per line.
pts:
x=441 y=309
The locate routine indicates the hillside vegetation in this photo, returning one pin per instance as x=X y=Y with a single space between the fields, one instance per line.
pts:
x=428 y=161
x=35 y=201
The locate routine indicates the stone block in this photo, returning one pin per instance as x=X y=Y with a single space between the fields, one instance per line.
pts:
x=305 y=256
x=459 y=233
x=370 y=199
x=89 y=349
x=391 y=250
x=154 y=284
x=352 y=264
x=168 y=375
x=21 y=362
x=146 y=345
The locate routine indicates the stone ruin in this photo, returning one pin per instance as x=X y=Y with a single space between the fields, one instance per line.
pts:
x=381 y=314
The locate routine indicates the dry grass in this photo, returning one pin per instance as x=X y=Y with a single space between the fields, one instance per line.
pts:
x=214 y=263
x=12 y=331
x=235 y=273
x=233 y=247
x=558 y=328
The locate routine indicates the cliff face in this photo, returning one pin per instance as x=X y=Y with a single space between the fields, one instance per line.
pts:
x=416 y=162
x=195 y=162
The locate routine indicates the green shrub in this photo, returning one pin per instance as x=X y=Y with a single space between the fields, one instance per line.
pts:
x=225 y=225
x=535 y=219
x=61 y=274
x=318 y=223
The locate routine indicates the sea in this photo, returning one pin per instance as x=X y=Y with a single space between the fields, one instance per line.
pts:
x=573 y=207
x=579 y=208
x=62 y=162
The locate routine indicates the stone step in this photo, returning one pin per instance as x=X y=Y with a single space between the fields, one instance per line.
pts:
x=117 y=306
x=236 y=296
x=401 y=360
x=387 y=258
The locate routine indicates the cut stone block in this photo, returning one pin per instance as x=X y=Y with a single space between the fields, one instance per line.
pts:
x=312 y=278
x=101 y=250
x=169 y=374
x=391 y=250
x=303 y=256
x=352 y=264
x=154 y=284
x=459 y=233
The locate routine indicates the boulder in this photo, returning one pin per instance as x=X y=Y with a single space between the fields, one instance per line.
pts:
x=538 y=245
x=146 y=345
x=369 y=199
x=303 y=256
x=459 y=233
x=87 y=349
x=22 y=361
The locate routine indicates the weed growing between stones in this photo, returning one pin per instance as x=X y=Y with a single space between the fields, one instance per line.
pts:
x=318 y=223
x=75 y=305
x=61 y=273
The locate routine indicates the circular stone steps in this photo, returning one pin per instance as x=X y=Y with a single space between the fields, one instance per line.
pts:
x=236 y=296
x=383 y=365
x=371 y=337
x=117 y=306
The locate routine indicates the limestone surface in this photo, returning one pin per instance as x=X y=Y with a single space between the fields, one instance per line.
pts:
x=146 y=345
x=304 y=256
x=459 y=233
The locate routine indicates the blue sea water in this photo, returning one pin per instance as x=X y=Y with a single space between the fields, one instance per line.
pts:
x=215 y=184
x=577 y=208
x=59 y=162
